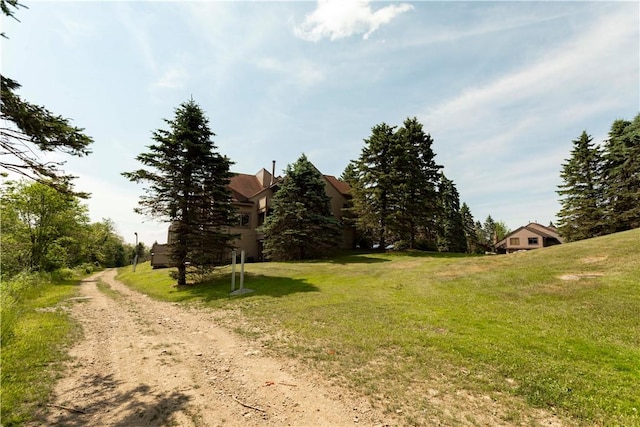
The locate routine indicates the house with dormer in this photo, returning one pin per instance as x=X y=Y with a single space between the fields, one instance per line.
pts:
x=252 y=196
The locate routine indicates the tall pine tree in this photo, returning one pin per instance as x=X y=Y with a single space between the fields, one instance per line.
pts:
x=581 y=214
x=301 y=225
x=451 y=237
x=394 y=185
x=188 y=186
x=621 y=178
x=470 y=230
x=417 y=175
x=375 y=193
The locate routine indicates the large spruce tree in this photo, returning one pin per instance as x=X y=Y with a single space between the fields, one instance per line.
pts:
x=470 y=230
x=451 y=237
x=393 y=185
x=417 y=178
x=188 y=187
x=300 y=224
x=582 y=214
x=621 y=177
x=375 y=194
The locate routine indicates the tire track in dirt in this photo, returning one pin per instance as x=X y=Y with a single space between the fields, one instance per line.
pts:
x=143 y=362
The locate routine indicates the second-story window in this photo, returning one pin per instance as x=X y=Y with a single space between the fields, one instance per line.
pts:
x=243 y=220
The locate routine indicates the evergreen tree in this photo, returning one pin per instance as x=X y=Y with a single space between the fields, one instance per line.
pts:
x=452 y=237
x=32 y=128
x=349 y=213
x=581 y=213
x=394 y=185
x=301 y=225
x=470 y=230
x=417 y=177
x=375 y=193
x=622 y=175
x=188 y=186
x=490 y=236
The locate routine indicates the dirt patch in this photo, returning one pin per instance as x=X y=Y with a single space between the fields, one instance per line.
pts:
x=581 y=276
x=594 y=259
x=149 y=363
x=461 y=271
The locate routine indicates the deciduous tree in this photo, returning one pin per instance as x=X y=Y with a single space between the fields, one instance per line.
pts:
x=42 y=229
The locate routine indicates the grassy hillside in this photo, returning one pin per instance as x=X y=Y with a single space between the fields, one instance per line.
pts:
x=440 y=338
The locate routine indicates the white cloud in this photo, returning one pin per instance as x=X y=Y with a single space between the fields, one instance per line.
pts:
x=336 y=19
x=303 y=72
x=173 y=78
x=74 y=32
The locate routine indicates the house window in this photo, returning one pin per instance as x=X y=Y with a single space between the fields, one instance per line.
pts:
x=262 y=216
x=243 y=220
x=533 y=240
x=514 y=241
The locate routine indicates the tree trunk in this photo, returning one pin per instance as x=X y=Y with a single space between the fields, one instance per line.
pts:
x=182 y=274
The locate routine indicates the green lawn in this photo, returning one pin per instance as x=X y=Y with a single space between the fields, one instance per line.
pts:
x=434 y=337
x=36 y=333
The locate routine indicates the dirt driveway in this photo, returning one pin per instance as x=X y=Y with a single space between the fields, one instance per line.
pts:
x=148 y=363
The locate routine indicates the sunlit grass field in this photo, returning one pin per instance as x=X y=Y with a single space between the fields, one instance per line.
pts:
x=433 y=338
x=36 y=333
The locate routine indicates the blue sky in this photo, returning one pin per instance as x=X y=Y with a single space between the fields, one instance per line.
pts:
x=502 y=87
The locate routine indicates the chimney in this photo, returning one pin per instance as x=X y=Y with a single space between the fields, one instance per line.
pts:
x=273 y=172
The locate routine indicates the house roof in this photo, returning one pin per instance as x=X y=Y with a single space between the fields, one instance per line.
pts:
x=342 y=187
x=244 y=186
x=534 y=227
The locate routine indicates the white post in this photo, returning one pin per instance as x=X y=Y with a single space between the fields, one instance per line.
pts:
x=233 y=270
x=242 y=290
x=135 y=257
x=242 y=270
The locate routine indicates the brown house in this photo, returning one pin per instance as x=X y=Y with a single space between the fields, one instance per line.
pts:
x=252 y=196
x=530 y=236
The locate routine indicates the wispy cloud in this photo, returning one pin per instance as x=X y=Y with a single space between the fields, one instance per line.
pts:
x=74 y=31
x=173 y=77
x=516 y=129
x=299 y=71
x=337 y=19
x=559 y=80
x=134 y=25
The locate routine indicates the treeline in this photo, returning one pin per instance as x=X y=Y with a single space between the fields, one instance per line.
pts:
x=44 y=230
x=401 y=196
x=600 y=192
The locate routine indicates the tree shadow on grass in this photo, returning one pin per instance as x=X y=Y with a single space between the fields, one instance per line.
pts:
x=261 y=285
x=430 y=254
x=357 y=258
x=139 y=406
